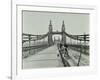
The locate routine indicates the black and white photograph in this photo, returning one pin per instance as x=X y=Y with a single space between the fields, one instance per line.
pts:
x=55 y=39
x=50 y=40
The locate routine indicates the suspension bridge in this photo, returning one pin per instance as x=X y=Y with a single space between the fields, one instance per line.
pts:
x=38 y=52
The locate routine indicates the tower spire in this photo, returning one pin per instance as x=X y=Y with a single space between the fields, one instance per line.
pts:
x=63 y=33
x=50 y=23
x=50 y=26
x=63 y=26
x=50 y=41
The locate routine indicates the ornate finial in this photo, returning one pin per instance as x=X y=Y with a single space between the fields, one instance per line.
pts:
x=50 y=26
x=50 y=23
x=63 y=23
x=63 y=26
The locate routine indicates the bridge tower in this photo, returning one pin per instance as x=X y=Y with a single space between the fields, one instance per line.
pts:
x=63 y=33
x=50 y=40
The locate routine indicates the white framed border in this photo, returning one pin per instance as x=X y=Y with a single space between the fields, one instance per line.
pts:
x=18 y=73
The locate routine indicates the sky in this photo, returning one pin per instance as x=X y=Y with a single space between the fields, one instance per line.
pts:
x=38 y=22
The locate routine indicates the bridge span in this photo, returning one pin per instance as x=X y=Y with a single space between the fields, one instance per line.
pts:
x=48 y=54
x=50 y=57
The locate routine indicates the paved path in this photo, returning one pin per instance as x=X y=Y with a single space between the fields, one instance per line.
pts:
x=48 y=58
x=45 y=58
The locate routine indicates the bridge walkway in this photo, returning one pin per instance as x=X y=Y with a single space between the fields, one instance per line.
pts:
x=48 y=58
x=45 y=58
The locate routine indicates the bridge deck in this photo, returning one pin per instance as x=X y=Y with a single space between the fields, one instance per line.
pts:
x=45 y=58
x=48 y=58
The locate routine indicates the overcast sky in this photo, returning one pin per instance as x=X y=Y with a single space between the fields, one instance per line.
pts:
x=38 y=22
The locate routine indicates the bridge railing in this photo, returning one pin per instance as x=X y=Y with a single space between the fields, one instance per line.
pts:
x=84 y=37
x=79 y=48
x=29 y=38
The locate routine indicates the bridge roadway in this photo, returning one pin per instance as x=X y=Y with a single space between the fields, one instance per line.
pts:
x=48 y=58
